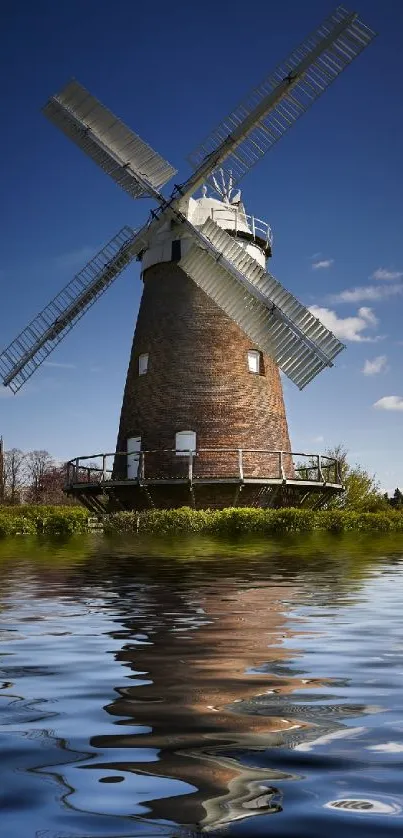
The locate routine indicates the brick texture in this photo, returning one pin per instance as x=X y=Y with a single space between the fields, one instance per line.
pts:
x=198 y=379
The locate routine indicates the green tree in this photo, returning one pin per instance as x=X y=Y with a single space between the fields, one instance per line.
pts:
x=362 y=491
x=397 y=500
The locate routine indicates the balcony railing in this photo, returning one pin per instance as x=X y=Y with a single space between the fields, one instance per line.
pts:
x=234 y=219
x=205 y=464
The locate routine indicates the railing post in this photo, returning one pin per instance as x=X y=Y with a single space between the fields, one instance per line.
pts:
x=320 y=473
x=190 y=469
x=76 y=480
x=281 y=464
x=103 y=468
x=240 y=463
x=140 y=470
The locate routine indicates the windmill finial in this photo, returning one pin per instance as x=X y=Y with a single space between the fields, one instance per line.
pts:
x=204 y=190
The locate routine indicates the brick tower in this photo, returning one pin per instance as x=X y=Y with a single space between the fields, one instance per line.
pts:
x=195 y=380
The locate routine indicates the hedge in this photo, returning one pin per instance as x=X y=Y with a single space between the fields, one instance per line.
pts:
x=52 y=520
x=250 y=520
x=56 y=520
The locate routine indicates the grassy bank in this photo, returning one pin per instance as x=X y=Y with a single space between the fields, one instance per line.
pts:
x=58 y=520
x=262 y=521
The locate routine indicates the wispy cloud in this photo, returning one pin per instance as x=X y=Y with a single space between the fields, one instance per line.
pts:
x=60 y=366
x=366 y=293
x=323 y=263
x=74 y=260
x=386 y=274
x=390 y=403
x=348 y=328
x=379 y=364
x=387 y=748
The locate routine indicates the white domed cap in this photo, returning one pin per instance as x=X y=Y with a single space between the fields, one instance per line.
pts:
x=228 y=216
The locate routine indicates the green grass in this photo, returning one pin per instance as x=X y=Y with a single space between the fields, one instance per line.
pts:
x=263 y=521
x=58 y=520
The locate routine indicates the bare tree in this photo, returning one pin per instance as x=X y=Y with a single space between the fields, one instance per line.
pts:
x=2 y=475
x=53 y=484
x=38 y=465
x=13 y=475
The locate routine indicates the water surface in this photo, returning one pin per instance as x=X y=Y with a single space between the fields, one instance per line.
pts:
x=161 y=688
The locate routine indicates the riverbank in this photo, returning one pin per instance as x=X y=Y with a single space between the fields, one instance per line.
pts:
x=57 y=520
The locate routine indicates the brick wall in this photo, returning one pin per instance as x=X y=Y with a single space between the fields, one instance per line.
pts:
x=198 y=379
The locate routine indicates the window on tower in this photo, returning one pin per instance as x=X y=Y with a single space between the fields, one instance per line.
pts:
x=143 y=363
x=185 y=441
x=176 y=250
x=255 y=361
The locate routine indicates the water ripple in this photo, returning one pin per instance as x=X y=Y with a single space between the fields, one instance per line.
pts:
x=141 y=696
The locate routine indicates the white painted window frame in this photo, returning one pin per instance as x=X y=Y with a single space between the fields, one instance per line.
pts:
x=143 y=363
x=254 y=361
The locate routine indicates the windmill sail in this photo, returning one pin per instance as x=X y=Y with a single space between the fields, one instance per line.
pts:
x=270 y=110
x=33 y=345
x=274 y=320
x=127 y=159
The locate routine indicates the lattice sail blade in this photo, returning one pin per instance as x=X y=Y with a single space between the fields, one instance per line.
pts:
x=278 y=324
x=273 y=290
x=127 y=159
x=33 y=345
x=270 y=110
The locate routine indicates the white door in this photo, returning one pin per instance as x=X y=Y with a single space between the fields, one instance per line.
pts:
x=185 y=441
x=133 y=456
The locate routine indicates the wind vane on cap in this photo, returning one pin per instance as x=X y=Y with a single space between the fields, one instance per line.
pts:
x=224 y=186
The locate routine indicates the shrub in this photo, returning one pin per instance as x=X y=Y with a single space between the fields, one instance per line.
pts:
x=231 y=521
x=54 y=520
x=289 y=520
x=183 y=520
x=336 y=520
x=121 y=522
x=5 y=525
x=18 y=525
x=64 y=524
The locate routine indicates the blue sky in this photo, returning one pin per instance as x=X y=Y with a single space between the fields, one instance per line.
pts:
x=331 y=189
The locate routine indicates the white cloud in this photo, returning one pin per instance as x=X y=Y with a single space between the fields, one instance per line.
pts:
x=366 y=293
x=347 y=328
x=58 y=365
x=379 y=364
x=387 y=748
x=324 y=263
x=390 y=403
x=386 y=274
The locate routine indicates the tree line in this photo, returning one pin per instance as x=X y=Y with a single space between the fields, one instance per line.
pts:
x=32 y=477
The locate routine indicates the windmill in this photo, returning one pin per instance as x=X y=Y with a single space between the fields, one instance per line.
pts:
x=203 y=404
